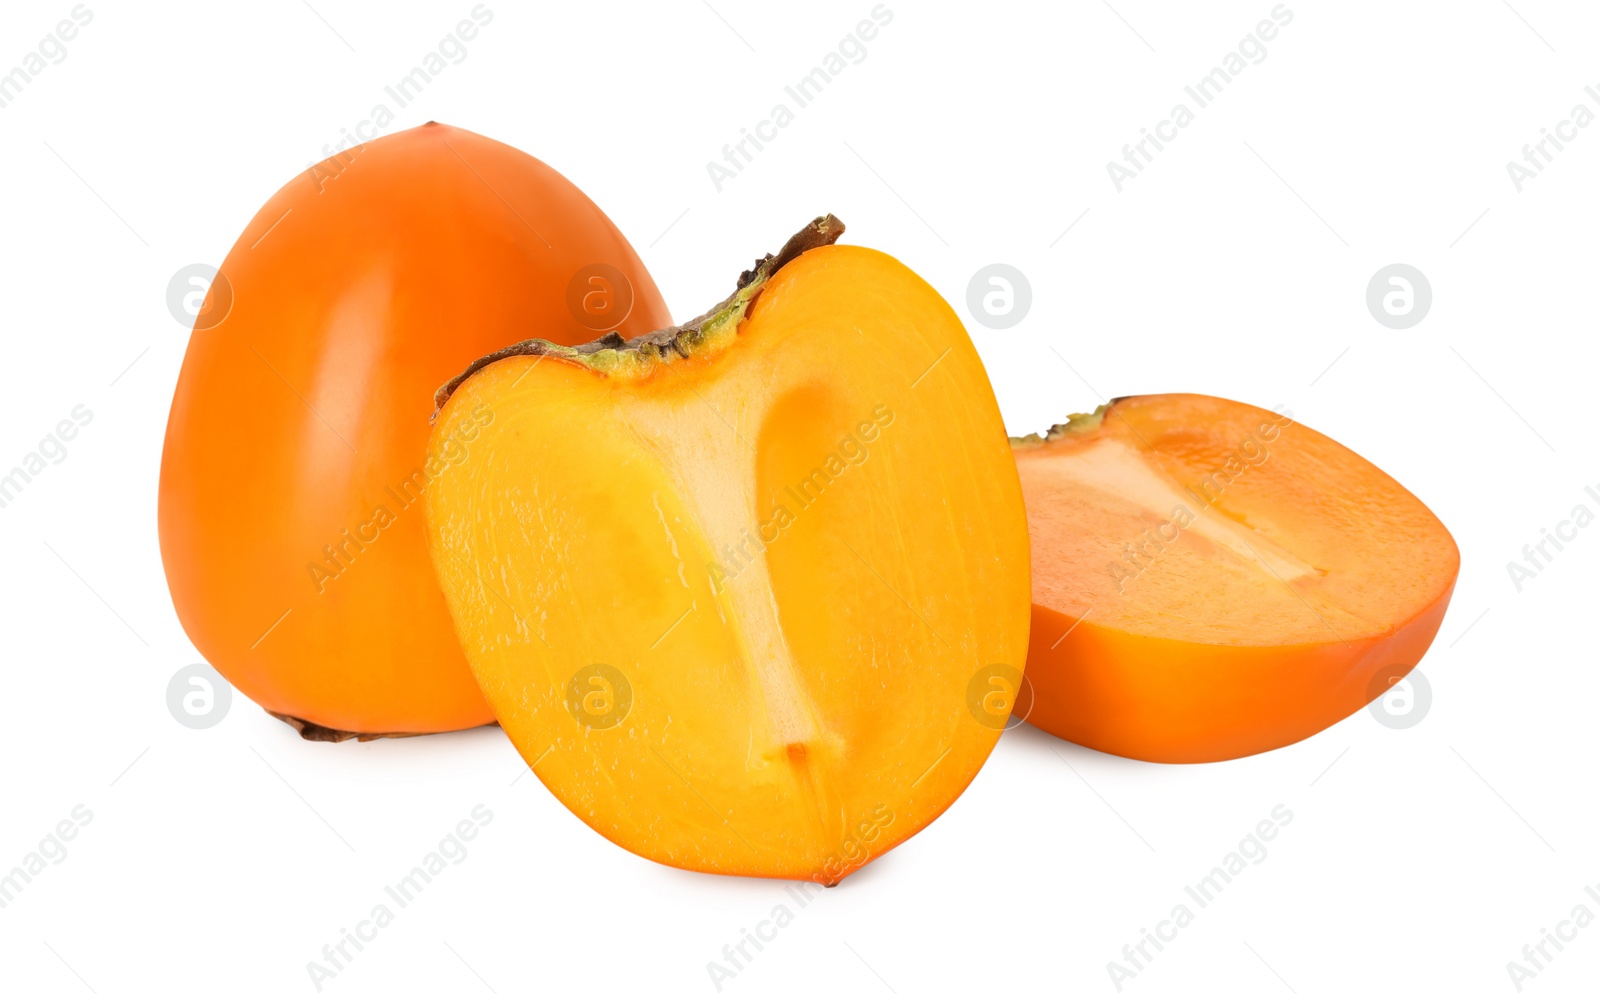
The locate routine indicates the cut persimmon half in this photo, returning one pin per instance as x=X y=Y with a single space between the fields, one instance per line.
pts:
x=749 y=595
x=1213 y=580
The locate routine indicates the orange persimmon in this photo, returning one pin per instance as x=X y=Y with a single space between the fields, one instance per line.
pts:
x=1212 y=580
x=749 y=595
x=295 y=456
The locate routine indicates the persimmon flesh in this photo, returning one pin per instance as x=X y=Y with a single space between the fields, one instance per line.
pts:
x=295 y=459
x=1212 y=580
x=730 y=588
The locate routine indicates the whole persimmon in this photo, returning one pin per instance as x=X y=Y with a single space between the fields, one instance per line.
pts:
x=295 y=461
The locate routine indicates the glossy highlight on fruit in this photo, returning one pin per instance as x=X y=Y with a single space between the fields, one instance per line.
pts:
x=1212 y=580
x=749 y=595
x=295 y=457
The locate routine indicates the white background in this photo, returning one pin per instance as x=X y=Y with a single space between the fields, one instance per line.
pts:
x=1237 y=264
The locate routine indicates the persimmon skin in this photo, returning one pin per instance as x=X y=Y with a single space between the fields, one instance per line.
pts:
x=1169 y=701
x=1295 y=588
x=303 y=415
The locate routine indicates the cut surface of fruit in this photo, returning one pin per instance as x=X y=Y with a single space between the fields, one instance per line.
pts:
x=729 y=587
x=292 y=530
x=1212 y=580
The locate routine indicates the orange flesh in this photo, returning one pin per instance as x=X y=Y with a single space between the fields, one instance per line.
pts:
x=796 y=552
x=1232 y=581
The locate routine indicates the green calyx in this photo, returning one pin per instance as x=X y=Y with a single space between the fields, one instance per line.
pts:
x=613 y=356
x=1076 y=424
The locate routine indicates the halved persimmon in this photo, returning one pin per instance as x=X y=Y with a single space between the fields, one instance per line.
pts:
x=1212 y=580
x=294 y=466
x=750 y=595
